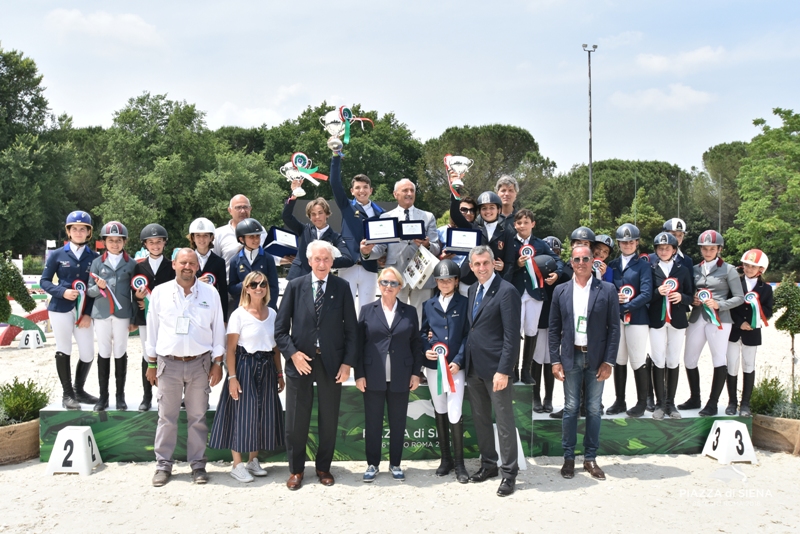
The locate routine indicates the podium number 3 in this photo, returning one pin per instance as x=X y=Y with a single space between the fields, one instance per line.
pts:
x=740 y=445
x=716 y=440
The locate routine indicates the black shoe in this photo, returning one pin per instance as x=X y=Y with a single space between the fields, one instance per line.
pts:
x=103 y=372
x=617 y=407
x=693 y=403
x=199 y=476
x=620 y=381
x=651 y=404
x=717 y=383
x=506 y=487
x=568 y=469
x=642 y=377
x=748 y=381
x=68 y=399
x=120 y=373
x=547 y=406
x=484 y=474
x=731 y=383
x=81 y=372
x=557 y=415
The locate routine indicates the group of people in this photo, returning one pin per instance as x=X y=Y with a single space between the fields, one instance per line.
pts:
x=511 y=310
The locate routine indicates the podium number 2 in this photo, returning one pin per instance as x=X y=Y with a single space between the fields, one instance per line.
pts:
x=740 y=445
x=71 y=446
x=91 y=447
x=716 y=440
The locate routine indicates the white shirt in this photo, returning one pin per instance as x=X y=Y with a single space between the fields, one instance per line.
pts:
x=445 y=301
x=367 y=208
x=251 y=255
x=321 y=231
x=751 y=283
x=155 y=263
x=666 y=267
x=580 y=308
x=706 y=267
x=76 y=249
x=254 y=335
x=523 y=240
x=485 y=286
x=113 y=260
x=202 y=307
x=389 y=314
x=202 y=259
x=626 y=260
x=490 y=227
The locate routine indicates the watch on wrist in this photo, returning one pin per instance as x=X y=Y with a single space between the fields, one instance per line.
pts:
x=217 y=362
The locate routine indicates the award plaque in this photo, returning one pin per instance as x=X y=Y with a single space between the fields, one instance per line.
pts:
x=461 y=240
x=282 y=243
x=410 y=230
x=381 y=230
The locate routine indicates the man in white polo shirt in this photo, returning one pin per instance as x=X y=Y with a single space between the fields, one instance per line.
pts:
x=185 y=347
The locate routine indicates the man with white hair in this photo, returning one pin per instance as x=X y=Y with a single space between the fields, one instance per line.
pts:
x=398 y=255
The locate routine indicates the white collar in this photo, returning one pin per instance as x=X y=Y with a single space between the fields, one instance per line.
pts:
x=314 y=279
x=394 y=308
x=524 y=239
x=77 y=249
x=204 y=256
x=488 y=283
x=322 y=230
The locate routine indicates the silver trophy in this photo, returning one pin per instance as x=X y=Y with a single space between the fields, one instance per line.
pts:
x=459 y=165
x=291 y=171
x=334 y=124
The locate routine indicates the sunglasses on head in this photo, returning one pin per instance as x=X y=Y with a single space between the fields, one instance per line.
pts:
x=467 y=210
x=389 y=283
x=253 y=285
x=584 y=259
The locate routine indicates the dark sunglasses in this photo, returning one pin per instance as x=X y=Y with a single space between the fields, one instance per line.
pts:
x=389 y=283
x=584 y=259
x=253 y=285
x=467 y=210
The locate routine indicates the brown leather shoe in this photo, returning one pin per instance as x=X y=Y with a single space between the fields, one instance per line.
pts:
x=325 y=478
x=295 y=481
x=594 y=470
x=568 y=469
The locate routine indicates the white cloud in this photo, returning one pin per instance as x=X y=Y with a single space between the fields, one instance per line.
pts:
x=683 y=62
x=620 y=40
x=679 y=97
x=232 y=115
x=124 y=28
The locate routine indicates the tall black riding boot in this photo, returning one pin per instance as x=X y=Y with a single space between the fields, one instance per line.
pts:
x=81 y=372
x=147 y=400
x=457 y=433
x=620 y=380
x=733 y=402
x=549 y=382
x=68 y=399
x=660 y=393
x=641 y=376
x=442 y=427
x=120 y=373
x=527 y=357
x=103 y=373
x=536 y=374
x=672 y=386
x=651 y=405
x=717 y=385
x=693 y=375
x=748 y=380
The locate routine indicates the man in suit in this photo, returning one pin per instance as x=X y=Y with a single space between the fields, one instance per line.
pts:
x=584 y=338
x=316 y=331
x=398 y=255
x=363 y=276
x=491 y=352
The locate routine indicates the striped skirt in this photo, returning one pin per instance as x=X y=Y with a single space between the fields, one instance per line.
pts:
x=256 y=421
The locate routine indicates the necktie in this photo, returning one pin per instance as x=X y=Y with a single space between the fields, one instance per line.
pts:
x=408 y=217
x=318 y=298
x=478 y=299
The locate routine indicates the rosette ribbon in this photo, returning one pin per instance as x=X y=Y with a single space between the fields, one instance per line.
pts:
x=346 y=114
x=80 y=302
x=757 y=319
x=211 y=278
x=138 y=283
x=596 y=268
x=703 y=295
x=666 y=308
x=444 y=378
x=112 y=302
x=303 y=164
x=533 y=270
x=627 y=291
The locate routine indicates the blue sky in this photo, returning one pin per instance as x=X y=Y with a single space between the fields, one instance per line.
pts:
x=669 y=79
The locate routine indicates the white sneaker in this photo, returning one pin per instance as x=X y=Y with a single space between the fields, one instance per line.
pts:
x=255 y=469
x=239 y=472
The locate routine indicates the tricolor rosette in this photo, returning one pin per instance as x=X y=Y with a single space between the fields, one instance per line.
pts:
x=443 y=374
x=530 y=266
x=713 y=315
x=627 y=291
x=757 y=317
x=666 y=309
x=80 y=302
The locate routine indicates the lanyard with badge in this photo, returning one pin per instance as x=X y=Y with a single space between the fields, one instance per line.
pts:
x=182 y=323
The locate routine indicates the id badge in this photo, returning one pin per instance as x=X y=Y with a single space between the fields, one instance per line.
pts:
x=581 y=328
x=182 y=326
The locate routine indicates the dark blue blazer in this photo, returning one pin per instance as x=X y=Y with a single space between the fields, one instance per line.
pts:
x=240 y=268
x=744 y=313
x=639 y=275
x=306 y=233
x=518 y=276
x=602 y=326
x=450 y=328
x=353 y=217
x=62 y=262
x=680 y=311
x=682 y=259
x=493 y=341
x=399 y=341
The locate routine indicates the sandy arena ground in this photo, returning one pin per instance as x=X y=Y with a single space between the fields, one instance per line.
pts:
x=657 y=493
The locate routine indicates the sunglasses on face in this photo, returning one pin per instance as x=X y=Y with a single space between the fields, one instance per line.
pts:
x=467 y=210
x=389 y=283
x=254 y=285
x=584 y=259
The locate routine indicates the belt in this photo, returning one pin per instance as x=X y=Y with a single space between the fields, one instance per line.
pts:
x=581 y=348
x=186 y=358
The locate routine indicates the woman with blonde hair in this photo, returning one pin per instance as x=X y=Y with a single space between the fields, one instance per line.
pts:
x=249 y=415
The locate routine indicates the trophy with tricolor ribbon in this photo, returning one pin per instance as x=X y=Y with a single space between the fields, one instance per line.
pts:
x=140 y=283
x=530 y=266
x=666 y=309
x=300 y=168
x=627 y=291
x=703 y=295
x=757 y=318
x=337 y=123
x=80 y=302
x=458 y=166
x=444 y=378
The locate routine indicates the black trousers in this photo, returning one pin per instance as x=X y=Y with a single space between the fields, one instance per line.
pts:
x=299 y=401
x=397 y=408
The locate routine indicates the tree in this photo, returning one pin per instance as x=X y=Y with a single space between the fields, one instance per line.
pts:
x=787 y=297
x=602 y=222
x=645 y=217
x=721 y=163
x=23 y=107
x=769 y=187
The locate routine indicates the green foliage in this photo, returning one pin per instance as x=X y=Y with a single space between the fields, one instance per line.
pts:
x=32 y=265
x=21 y=401
x=602 y=222
x=787 y=298
x=23 y=107
x=722 y=163
x=645 y=217
x=12 y=284
x=768 y=393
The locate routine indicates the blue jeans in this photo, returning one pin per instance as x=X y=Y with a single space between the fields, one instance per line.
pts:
x=573 y=382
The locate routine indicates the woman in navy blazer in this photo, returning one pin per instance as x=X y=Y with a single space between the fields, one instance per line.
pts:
x=390 y=367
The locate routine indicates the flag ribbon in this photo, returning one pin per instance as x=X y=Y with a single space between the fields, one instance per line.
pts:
x=533 y=270
x=80 y=302
x=443 y=373
x=112 y=302
x=346 y=114
x=703 y=295
x=758 y=319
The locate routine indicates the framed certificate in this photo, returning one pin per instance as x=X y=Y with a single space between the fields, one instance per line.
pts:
x=462 y=240
x=283 y=243
x=381 y=230
x=412 y=230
